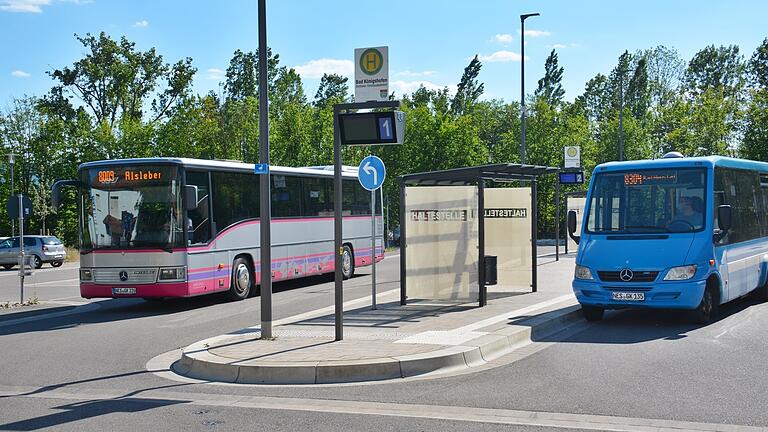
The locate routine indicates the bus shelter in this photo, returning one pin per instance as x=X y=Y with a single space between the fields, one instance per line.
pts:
x=457 y=236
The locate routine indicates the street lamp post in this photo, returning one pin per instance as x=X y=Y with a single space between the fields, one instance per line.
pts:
x=12 y=162
x=621 y=114
x=522 y=83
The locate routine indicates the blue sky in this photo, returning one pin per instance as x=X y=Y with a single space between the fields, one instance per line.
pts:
x=429 y=41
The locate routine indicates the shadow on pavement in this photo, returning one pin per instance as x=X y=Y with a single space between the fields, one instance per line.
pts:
x=127 y=403
x=642 y=325
x=119 y=309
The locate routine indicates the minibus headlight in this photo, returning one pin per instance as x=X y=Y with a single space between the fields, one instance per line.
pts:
x=86 y=275
x=681 y=273
x=172 y=274
x=582 y=272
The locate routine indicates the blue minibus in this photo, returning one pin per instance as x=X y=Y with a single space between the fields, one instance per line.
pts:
x=688 y=233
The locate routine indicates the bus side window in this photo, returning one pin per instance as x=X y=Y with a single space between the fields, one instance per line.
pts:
x=198 y=220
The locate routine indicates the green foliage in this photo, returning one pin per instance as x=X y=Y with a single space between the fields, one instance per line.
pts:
x=119 y=102
x=468 y=91
x=550 y=85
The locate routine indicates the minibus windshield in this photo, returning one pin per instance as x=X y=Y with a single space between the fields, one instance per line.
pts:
x=648 y=201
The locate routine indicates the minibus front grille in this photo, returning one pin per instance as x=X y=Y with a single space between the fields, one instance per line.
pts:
x=638 y=276
x=628 y=288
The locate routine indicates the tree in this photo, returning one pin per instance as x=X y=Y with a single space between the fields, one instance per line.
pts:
x=716 y=68
x=333 y=89
x=243 y=74
x=469 y=89
x=758 y=66
x=665 y=73
x=550 y=86
x=638 y=98
x=114 y=81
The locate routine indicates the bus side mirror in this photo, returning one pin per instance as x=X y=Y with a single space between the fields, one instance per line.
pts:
x=724 y=214
x=56 y=190
x=190 y=197
x=572 y=226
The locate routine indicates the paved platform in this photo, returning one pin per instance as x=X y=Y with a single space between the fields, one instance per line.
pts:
x=390 y=342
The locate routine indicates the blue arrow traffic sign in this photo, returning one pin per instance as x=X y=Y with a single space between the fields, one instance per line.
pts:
x=371 y=173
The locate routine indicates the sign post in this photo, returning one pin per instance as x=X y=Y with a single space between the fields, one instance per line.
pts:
x=19 y=207
x=572 y=157
x=372 y=74
x=371 y=174
x=352 y=128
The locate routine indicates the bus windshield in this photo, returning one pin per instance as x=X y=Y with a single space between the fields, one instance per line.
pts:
x=648 y=201
x=135 y=206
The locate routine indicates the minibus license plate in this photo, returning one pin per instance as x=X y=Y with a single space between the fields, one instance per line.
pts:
x=123 y=291
x=630 y=296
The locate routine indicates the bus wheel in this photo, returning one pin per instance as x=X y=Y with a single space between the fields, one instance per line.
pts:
x=592 y=313
x=706 y=310
x=347 y=263
x=241 y=280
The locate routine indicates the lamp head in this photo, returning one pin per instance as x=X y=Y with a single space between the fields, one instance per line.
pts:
x=11 y=158
x=524 y=16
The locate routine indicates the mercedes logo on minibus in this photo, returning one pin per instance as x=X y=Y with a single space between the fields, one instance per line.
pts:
x=626 y=275
x=123 y=275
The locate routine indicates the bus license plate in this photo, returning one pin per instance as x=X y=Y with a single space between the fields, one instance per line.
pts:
x=629 y=296
x=123 y=291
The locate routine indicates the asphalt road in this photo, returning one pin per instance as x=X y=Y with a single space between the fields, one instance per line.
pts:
x=84 y=368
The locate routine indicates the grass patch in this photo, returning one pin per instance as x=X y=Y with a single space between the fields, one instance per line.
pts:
x=73 y=254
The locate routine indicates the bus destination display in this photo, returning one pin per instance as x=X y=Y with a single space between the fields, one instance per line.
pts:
x=133 y=176
x=639 y=179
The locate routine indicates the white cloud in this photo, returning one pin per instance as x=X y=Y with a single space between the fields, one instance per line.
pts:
x=24 y=6
x=142 y=23
x=401 y=88
x=501 y=56
x=20 y=74
x=503 y=38
x=215 y=74
x=536 y=33
x=314 y=69
x=408 y=73
x=558 y=46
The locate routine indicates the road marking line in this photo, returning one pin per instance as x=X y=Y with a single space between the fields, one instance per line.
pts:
x=56 y=282
x=515 y=313
x=435 y=412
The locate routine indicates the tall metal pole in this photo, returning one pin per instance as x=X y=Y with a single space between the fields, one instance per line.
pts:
x=522 y=89
x=621 y=114
x=12 y=161
x=338 y=248
x=373 y=249
x=522 y=84
x=22 y=267
x=265 y=201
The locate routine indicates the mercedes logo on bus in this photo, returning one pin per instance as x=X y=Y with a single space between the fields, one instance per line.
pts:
x=626 y=275
x=124 y=275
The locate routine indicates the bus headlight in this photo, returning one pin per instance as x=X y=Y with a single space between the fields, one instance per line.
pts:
x=173 y=274
x=681 y=273
x=582 y=272
x=86 y=275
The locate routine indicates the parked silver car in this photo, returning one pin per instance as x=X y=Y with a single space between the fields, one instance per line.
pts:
x=44 y=249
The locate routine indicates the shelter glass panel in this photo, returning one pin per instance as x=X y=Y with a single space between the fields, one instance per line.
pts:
x=442 y=240
x=508 y=237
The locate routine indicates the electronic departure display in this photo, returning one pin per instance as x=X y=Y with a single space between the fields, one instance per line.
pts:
x=639 y=179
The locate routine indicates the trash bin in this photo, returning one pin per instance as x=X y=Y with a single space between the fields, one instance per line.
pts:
x=491 y=273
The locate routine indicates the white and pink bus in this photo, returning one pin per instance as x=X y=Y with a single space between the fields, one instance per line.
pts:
x=174 y=227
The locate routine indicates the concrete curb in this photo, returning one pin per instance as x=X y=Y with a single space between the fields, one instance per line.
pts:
x=197 y=362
